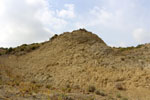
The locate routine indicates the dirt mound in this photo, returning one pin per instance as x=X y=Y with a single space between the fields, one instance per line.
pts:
x=73 y=48
x=79 y=36
x=77 y=48
x=74 y=62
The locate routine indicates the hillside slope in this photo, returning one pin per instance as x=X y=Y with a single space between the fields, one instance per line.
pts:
x=72 y=63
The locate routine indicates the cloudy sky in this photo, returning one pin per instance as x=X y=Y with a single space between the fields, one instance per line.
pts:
x=117 y=22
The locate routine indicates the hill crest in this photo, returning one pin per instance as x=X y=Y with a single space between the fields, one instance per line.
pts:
x=80 y=36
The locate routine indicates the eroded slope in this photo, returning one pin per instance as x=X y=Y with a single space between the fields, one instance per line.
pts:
x=73 y=61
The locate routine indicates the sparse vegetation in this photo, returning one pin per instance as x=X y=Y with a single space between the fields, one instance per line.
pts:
x=8 y=51
x=118 y=95
x=130 y=48
x=20 y=49
x=61 y=97
x=29 y=88
x=139 y=46
x=66 y=89
x=124 y=98
x=91 y=88
x=126 y=49
x=100 y=93
x=119 y=86
x=49 y=86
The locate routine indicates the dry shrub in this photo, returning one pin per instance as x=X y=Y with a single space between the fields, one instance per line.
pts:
x=119 y=86
x=91 y=88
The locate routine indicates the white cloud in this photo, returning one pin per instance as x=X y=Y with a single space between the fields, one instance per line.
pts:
x=27 y=21
x=68 y=12
x=35 y=1
x=115 y=21
x=101 y=15
x=2 y=8
x=141 y=35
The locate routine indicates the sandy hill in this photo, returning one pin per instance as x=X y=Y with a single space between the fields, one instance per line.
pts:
x=78 y=65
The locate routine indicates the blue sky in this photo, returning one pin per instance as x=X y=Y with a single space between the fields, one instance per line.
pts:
x=117 y=22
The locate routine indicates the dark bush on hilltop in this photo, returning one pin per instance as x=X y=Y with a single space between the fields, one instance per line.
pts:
x=82 y=29
x=53 y=37
x=9 y=50
x=125 y=49
x=130 y=48
x=139 y=46
x=24 y=45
